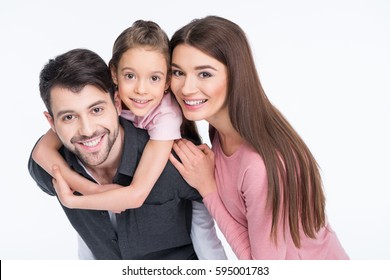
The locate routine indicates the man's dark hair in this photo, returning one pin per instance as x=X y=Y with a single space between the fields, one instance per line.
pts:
x=74 y=70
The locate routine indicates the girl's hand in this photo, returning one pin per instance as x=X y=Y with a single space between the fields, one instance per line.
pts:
x=196 y=166
x=64 y=192
x=68 y=199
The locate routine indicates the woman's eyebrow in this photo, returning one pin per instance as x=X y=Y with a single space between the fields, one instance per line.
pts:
x=200 y=67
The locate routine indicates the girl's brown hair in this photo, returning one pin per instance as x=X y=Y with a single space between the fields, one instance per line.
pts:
x=148 y=34
x=142 y=34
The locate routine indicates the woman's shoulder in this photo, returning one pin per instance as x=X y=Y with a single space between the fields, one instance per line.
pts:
x=246 y=160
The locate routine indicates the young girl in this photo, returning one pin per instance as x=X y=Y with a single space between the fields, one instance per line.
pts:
x=139 y=67
x=265 y=191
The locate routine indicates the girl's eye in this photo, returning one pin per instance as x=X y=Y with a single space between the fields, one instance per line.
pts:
x=130 y=76
x=205 y=75
x=177 y=73
x=155 y=78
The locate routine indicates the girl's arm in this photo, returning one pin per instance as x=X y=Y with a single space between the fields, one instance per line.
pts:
x=154 y=158
x=46 y=155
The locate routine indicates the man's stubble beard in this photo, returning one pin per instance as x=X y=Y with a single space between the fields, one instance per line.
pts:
x=99 y=157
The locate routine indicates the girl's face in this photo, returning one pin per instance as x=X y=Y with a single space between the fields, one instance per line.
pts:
x=199 y=83
x=141 y=77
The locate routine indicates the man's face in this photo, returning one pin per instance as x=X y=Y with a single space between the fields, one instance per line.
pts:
x=86 y=122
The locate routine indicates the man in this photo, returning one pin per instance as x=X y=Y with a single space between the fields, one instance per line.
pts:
x=77 y=90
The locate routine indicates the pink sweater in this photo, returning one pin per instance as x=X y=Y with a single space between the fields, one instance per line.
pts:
x=239 y=210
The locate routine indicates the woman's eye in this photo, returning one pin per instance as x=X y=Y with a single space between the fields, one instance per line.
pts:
x=205 y=75
x=130 y=76
x=177 y=73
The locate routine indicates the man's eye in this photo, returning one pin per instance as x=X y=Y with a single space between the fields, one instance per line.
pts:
x=68 y=118
x=97 y=110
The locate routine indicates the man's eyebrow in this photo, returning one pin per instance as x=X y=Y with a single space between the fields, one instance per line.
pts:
x=64 y=112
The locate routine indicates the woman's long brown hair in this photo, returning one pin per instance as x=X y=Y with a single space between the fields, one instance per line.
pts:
x=295 y=191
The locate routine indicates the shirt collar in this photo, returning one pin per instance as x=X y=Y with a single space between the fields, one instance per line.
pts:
x=131 y=144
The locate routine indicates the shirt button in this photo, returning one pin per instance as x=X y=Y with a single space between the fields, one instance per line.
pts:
x=114 y=240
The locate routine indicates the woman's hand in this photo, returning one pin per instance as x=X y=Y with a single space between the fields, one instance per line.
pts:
x=196 y=166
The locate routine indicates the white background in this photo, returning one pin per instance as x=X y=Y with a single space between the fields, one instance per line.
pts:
x=324 y=64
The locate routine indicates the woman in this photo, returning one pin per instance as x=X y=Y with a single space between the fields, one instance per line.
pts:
x=266 y=192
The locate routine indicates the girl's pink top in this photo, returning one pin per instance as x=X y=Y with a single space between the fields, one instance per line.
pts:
x=239 y=210
x=163 y=122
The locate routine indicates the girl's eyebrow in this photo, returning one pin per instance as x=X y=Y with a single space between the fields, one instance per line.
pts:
x=154 y=72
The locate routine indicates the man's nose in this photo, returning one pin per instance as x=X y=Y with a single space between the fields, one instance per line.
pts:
x=87 y=127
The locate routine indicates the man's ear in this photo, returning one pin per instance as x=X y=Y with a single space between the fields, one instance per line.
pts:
x=50 y=120
x=118 y=103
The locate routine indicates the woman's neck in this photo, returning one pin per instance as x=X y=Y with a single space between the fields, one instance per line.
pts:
x=229 y=137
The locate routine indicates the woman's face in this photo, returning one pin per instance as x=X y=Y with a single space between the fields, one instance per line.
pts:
x=199 y=83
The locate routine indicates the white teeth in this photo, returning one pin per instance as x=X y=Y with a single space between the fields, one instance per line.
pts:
x=92 y=143
x=140 y=101
x=194 y=102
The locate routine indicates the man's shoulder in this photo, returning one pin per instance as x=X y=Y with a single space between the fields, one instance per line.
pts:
x=135 y=134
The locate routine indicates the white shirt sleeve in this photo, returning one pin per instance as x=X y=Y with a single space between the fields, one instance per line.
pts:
x=204 y=236
x=84 y=253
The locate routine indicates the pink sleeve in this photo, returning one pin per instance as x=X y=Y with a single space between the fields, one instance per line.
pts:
x=259 y=217
x=235 y=233
x=251 y=241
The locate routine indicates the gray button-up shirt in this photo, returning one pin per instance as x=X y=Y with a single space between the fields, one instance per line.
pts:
x=159 y=229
